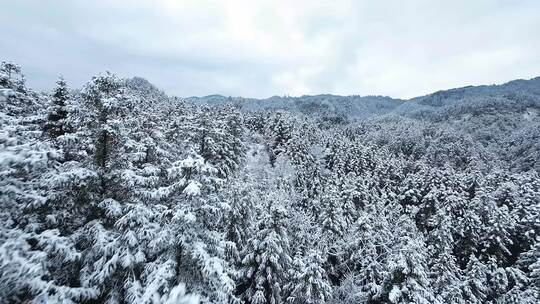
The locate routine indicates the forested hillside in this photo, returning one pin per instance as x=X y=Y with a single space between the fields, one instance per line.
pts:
x=118 y=193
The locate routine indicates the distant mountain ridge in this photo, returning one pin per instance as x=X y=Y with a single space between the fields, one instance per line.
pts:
x=356 y=106
x=439 y=98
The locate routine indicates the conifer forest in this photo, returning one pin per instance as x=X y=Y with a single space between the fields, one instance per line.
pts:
x=117 y=192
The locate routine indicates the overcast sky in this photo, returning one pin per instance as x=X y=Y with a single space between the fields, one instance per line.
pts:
x=262 y=48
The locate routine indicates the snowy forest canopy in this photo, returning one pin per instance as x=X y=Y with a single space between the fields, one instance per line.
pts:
x=119 y=193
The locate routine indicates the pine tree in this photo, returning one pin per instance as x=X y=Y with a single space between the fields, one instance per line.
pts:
x=55 y=124
x=407 y=279
x=363 y=251
x=530 y=261
x=36 y=258
x=445 y=274
x=279 y=133
x=242 y=209
x=266 y=260
x=332 y=216
x=308 y=281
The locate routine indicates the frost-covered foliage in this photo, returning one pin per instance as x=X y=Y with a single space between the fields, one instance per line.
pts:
x=118 y=193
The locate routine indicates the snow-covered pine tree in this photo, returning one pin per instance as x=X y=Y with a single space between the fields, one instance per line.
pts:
x=308 y=282
x=218 y=138
x=362 y=254
x=266 y=259
x=242 y=202
x=278 y=132
x=36 y=259
x=407 y=279
x=530 y=263
x=56 y=119
x=332 y=218
x=445 y=274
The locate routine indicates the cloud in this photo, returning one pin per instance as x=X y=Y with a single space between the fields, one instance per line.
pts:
x=263 y=48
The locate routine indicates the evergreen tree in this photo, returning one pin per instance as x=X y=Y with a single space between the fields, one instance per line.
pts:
x=279 y=133
x=36 y=258
x=407 y=279
x=308 y=282
x=266 y=260
x=332 y=216
x=55 y=125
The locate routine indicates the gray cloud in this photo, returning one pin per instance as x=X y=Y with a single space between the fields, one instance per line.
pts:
x=264 y=48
